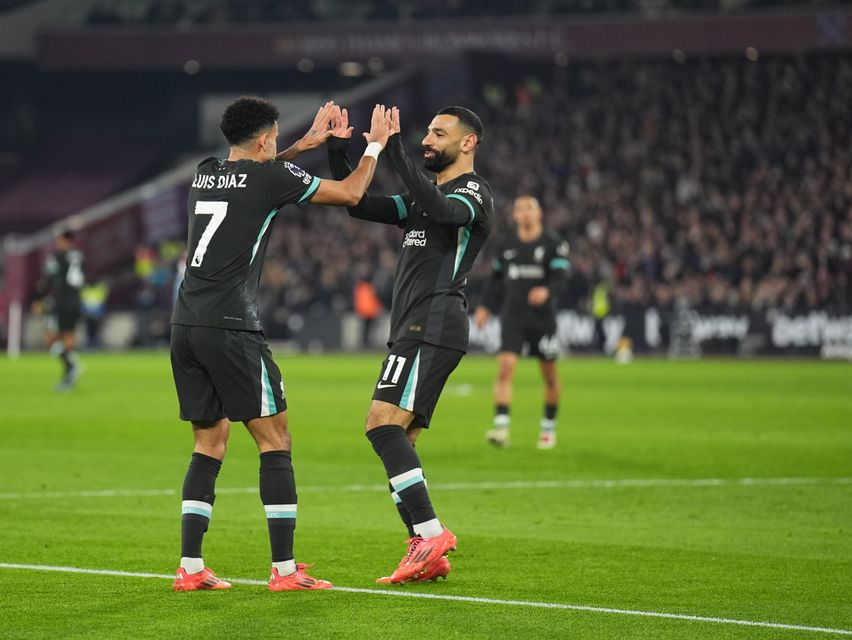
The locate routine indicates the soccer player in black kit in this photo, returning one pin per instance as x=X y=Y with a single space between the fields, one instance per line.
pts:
x=445 y=224
x=59 y=299
x=222 y=366
x=527 y=268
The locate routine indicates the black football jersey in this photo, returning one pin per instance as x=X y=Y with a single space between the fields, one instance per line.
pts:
x=232 y=205
x=429 y=304
x=63 y=279
x=444 y=228
x=518 y=267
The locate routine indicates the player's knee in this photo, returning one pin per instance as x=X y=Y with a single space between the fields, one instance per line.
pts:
x=505 y=372
x=213 y=449
x=279 y=437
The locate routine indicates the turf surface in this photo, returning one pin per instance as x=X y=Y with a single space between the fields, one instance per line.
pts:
x=768 y=551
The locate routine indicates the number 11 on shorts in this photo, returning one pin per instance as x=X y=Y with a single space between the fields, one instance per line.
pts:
x=400 y=363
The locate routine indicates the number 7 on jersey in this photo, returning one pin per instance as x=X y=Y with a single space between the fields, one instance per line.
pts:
x=216 y=209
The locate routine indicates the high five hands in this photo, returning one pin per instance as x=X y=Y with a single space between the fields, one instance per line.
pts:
x=333 y=120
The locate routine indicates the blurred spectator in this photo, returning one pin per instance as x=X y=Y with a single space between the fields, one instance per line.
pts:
x=94 y=297
x=367 y=306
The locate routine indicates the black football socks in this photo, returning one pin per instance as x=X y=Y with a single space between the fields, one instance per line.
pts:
x=548 y=420
x=198 y=496
x=278 y=494
x=405 y=474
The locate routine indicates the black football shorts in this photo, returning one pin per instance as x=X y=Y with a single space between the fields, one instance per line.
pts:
x=63 y=321
x=224 y=373
x=537 y=341
x=413 y=376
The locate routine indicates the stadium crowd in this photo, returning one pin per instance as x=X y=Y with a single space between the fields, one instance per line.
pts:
x=724 y=183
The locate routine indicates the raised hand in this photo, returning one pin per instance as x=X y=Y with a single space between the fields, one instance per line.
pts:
x=379 y=126
x=393 y=120
x=320 y=130
x=340 y=123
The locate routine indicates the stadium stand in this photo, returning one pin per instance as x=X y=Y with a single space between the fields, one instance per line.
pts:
x=717 y=180
x=721 y=181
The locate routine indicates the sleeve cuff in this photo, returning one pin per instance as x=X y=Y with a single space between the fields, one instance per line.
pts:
x=337 y=144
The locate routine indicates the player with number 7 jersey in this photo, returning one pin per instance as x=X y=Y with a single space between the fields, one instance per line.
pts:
x=222 y=366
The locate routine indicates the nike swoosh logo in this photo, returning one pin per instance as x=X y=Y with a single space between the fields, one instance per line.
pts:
x=384 y=386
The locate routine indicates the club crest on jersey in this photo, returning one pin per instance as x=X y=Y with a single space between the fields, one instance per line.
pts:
x=538 y=254
x=298 y=172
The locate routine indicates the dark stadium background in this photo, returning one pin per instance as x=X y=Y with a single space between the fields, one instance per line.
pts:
x=696 y=154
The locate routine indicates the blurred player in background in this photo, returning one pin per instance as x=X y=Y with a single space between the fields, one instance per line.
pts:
x=446 y=223
x=528 y=267
x=59 y=302
x=222 y=366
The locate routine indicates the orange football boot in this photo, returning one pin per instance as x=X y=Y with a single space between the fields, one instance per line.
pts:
x=298 y=581
x=438 y=569
x=422 y=552
x=204 y=579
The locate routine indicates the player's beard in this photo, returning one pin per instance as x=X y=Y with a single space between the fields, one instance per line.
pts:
x=440 y=161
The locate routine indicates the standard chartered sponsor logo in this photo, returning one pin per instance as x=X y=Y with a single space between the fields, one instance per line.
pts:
x=525 y=271
x=415 y=238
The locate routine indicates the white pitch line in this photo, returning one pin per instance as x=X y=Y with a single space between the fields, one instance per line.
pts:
x=459 y=486
x=471 y=599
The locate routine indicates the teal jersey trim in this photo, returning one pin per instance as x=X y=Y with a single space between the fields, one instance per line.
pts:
x=314 y=186
x=559 y=263
x=495 y=264
x=401 y=209
x=469 y=206
x=267 y=389
x=410 y=385
x=275 y=515
x=464 y=238
x=402 y=486
x=263 y=229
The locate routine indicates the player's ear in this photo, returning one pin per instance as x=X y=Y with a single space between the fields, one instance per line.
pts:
x=469 y=142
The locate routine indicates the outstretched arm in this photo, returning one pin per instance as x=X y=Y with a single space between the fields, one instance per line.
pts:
x=452 y=210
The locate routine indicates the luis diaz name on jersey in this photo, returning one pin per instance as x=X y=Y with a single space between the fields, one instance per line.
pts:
x=227 y=181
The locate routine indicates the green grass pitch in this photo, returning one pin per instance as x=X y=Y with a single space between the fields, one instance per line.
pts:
x=769 y=551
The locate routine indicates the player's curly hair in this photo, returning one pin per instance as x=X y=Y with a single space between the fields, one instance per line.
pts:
x=468 y=119
x=246 y=117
